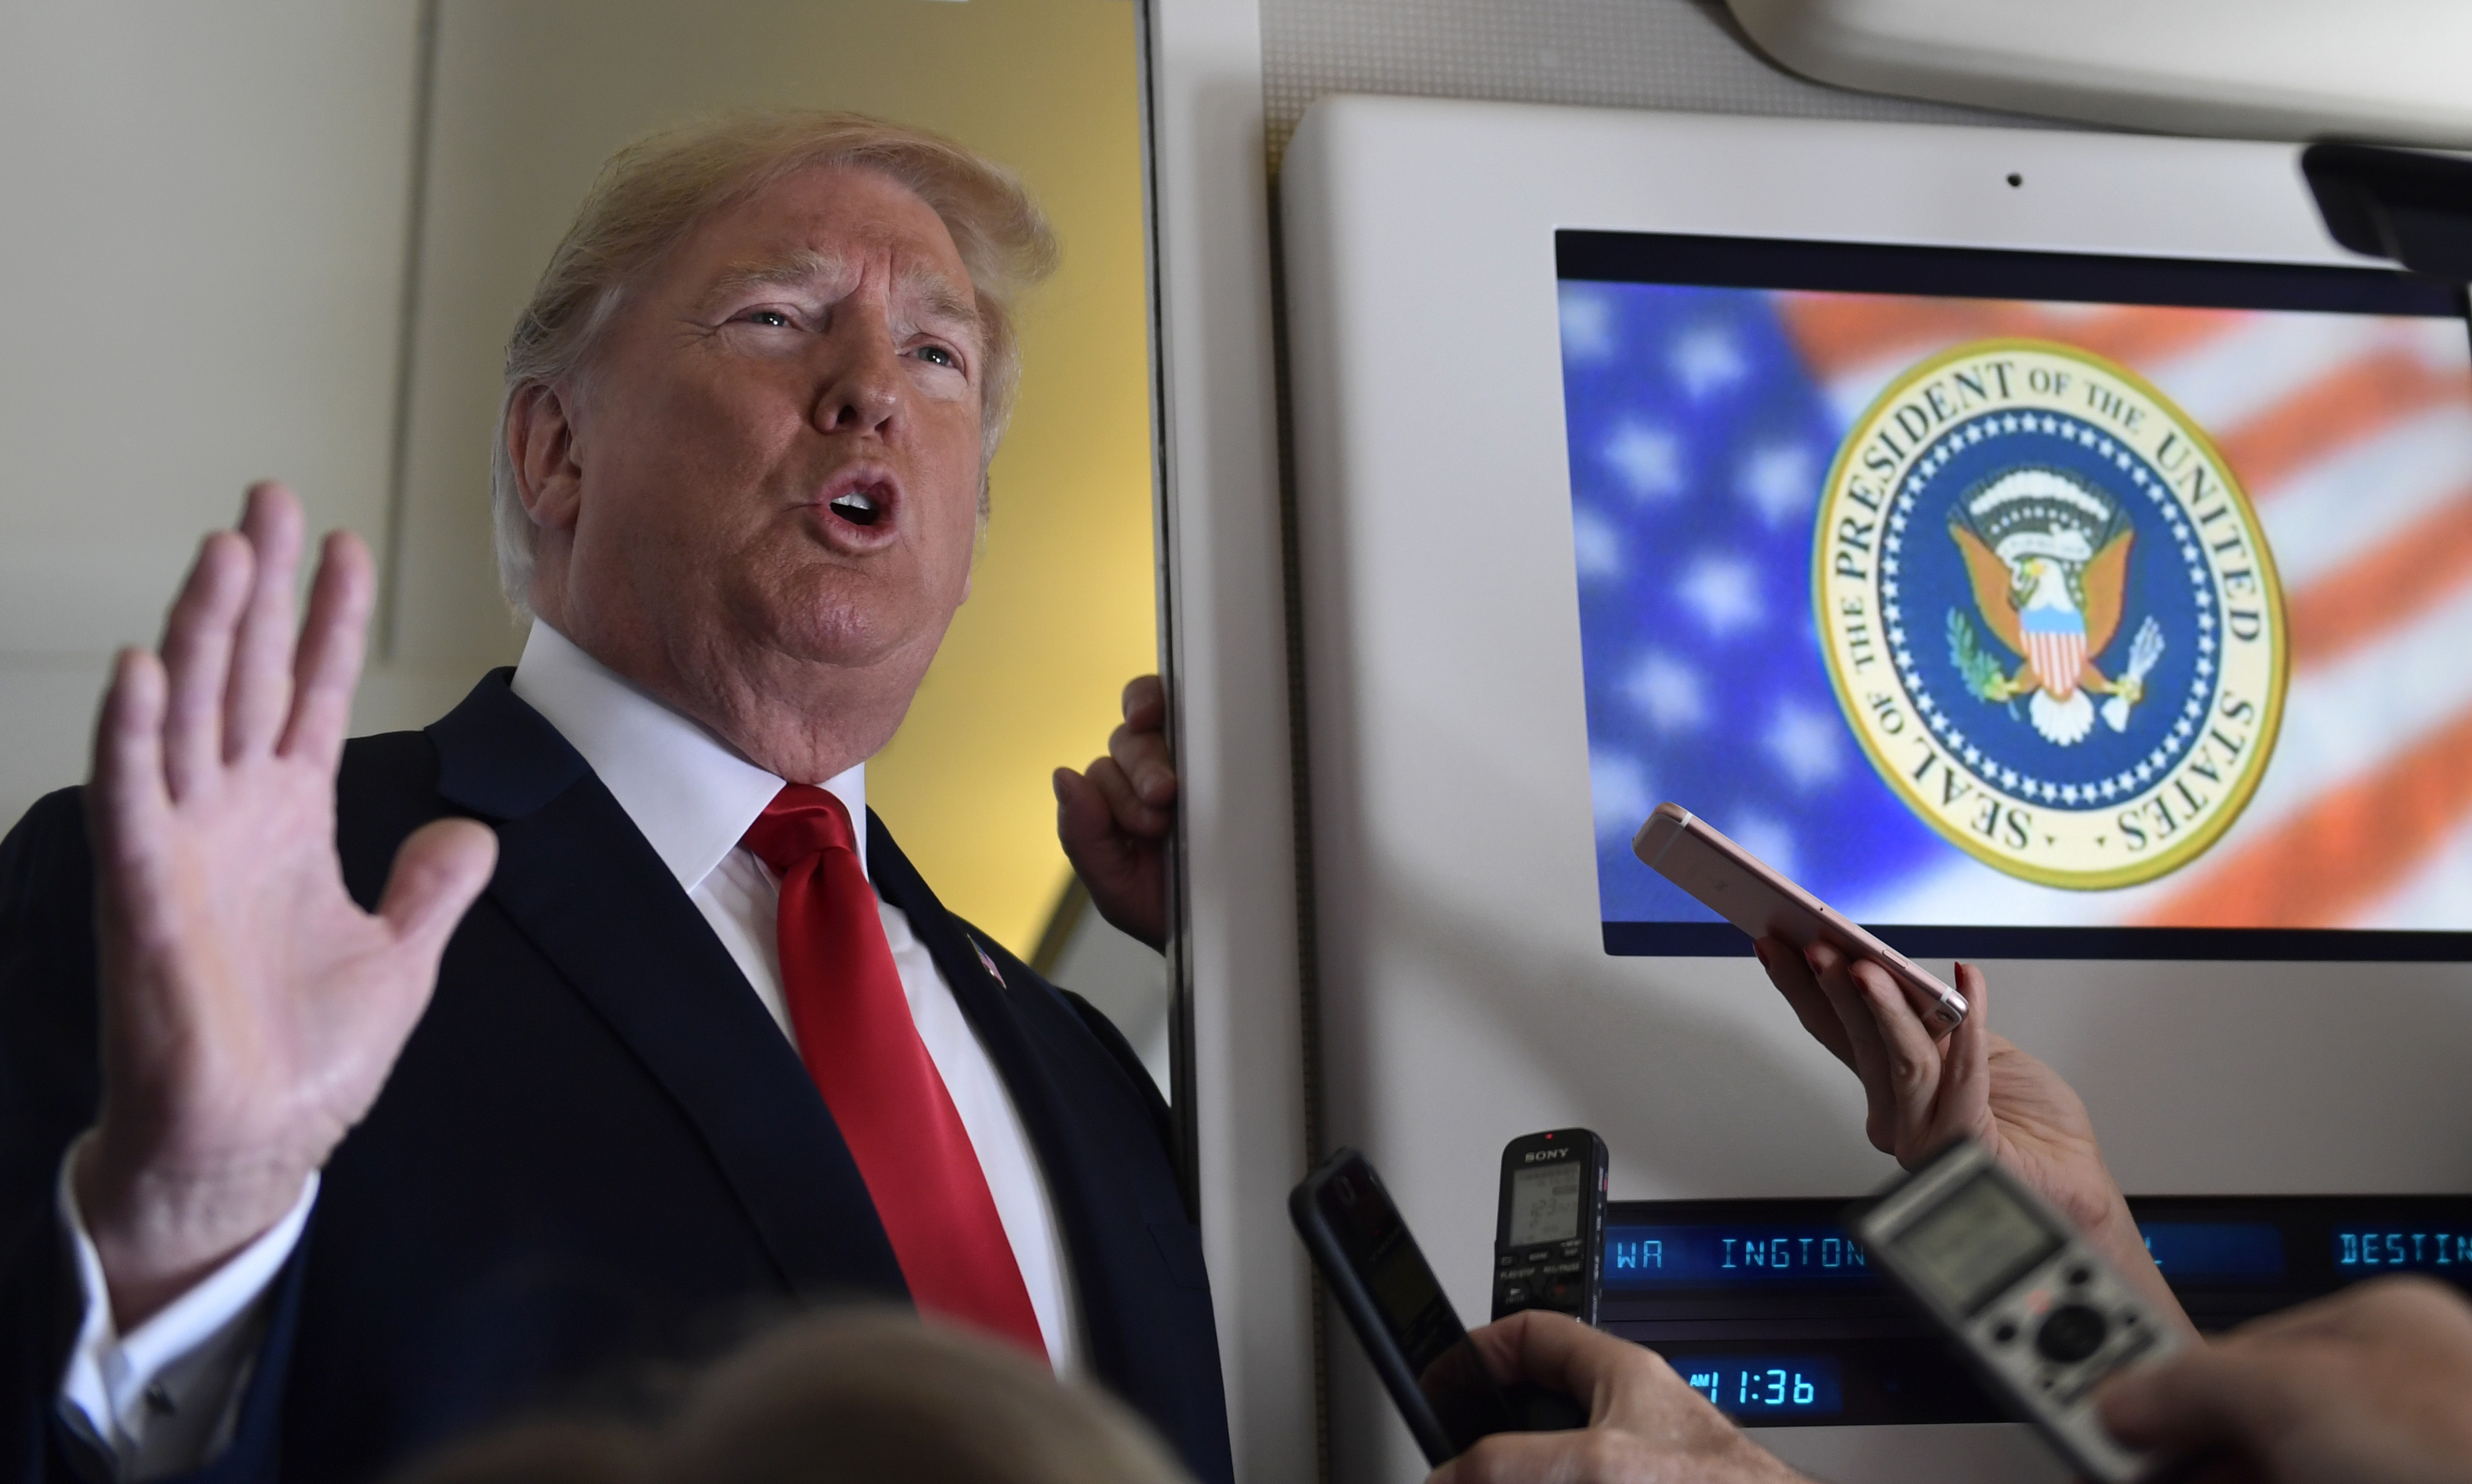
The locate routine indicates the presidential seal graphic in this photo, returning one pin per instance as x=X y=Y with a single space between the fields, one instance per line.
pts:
x=2049 y=613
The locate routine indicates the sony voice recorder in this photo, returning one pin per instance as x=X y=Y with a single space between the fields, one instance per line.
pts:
x=1549 y=1237
x=2036 y=1312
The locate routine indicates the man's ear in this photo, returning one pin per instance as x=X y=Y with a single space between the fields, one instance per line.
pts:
x=540 y=443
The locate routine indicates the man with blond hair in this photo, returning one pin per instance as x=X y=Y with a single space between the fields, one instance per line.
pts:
x=354 y=1095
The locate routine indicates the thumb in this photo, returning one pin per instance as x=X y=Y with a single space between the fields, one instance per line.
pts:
x=2197 y=1398
x=437 y=872
x=1515 y=1458
x=1965 y=1087
x=1082 y=818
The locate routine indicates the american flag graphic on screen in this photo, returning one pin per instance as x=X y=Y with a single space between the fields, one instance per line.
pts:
x=1703 y=423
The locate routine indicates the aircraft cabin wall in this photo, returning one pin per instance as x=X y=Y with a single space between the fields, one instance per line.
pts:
x=2203 y=1077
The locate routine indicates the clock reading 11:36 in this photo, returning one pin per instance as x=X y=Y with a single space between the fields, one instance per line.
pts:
x=1764 y=1385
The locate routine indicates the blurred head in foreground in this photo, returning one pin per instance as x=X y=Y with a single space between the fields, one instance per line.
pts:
x=867 y=1398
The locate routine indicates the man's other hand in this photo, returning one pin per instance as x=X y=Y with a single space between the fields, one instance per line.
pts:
x=1114 y=817
x=1645 y=1426
x=251 y=1009
x=2366 y=1387
x=1925 y=1091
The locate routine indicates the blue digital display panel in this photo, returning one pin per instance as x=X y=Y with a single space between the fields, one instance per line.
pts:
x=1731 y=1256
x=2361 y=1250
x=2215 y=1251
x=1751 y=1387
x=1737 y=1255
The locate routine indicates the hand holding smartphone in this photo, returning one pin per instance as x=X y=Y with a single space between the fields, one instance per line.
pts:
x=1753 y=896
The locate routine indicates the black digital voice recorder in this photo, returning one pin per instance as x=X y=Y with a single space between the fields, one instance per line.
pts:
x=1549 y=1240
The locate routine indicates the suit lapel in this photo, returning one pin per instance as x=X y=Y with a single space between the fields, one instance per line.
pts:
x=583 y=884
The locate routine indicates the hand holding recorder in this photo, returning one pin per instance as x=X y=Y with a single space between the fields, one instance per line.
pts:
x=1643 y=1424
x=2366 y=1386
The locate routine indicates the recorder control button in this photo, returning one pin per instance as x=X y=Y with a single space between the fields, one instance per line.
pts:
x=2072 y=1333
x=2006 y=1331
x=2080 y=1277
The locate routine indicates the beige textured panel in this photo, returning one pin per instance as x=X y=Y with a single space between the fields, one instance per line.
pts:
x=1238 y=951
x=199 y=279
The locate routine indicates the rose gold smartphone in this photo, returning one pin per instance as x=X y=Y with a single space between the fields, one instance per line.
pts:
x=1743 y=889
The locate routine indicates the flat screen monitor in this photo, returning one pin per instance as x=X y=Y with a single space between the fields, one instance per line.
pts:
x=2028 y=603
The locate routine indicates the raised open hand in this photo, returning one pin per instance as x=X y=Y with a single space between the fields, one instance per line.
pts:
x=1114 y=818
x=1924 y=1091
x=251 y=1009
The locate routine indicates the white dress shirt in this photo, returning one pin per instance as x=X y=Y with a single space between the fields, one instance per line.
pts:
x=163 y=1398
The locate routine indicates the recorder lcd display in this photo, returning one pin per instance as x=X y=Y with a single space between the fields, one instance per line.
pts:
x=1545 y=1203
x=2028 y=603
x=1976 y=1243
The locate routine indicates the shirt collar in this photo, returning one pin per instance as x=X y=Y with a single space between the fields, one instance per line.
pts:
x=690 y=795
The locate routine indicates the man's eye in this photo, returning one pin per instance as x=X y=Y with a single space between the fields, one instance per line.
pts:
x=938 y=355
x=772 y=319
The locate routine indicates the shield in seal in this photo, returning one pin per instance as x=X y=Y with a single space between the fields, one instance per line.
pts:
x=2049 y=613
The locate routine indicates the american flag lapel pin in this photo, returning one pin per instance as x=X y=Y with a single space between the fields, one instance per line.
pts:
x=987 y=962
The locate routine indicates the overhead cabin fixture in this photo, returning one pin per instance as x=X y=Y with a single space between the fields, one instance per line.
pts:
x=2402 y=204
x=2390 y=70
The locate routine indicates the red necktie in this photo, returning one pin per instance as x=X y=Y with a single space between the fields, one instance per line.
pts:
x=861 y=1045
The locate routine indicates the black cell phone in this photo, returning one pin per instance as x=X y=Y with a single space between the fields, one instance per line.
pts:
x=1383 y=1287
x=1548 y=1239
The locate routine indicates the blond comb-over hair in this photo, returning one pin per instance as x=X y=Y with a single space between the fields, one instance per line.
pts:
x=655 y=191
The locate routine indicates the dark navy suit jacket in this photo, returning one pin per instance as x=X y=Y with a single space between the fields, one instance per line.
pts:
x=597 y=1151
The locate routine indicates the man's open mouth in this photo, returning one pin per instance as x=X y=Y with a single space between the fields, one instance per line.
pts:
x=861 y=507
